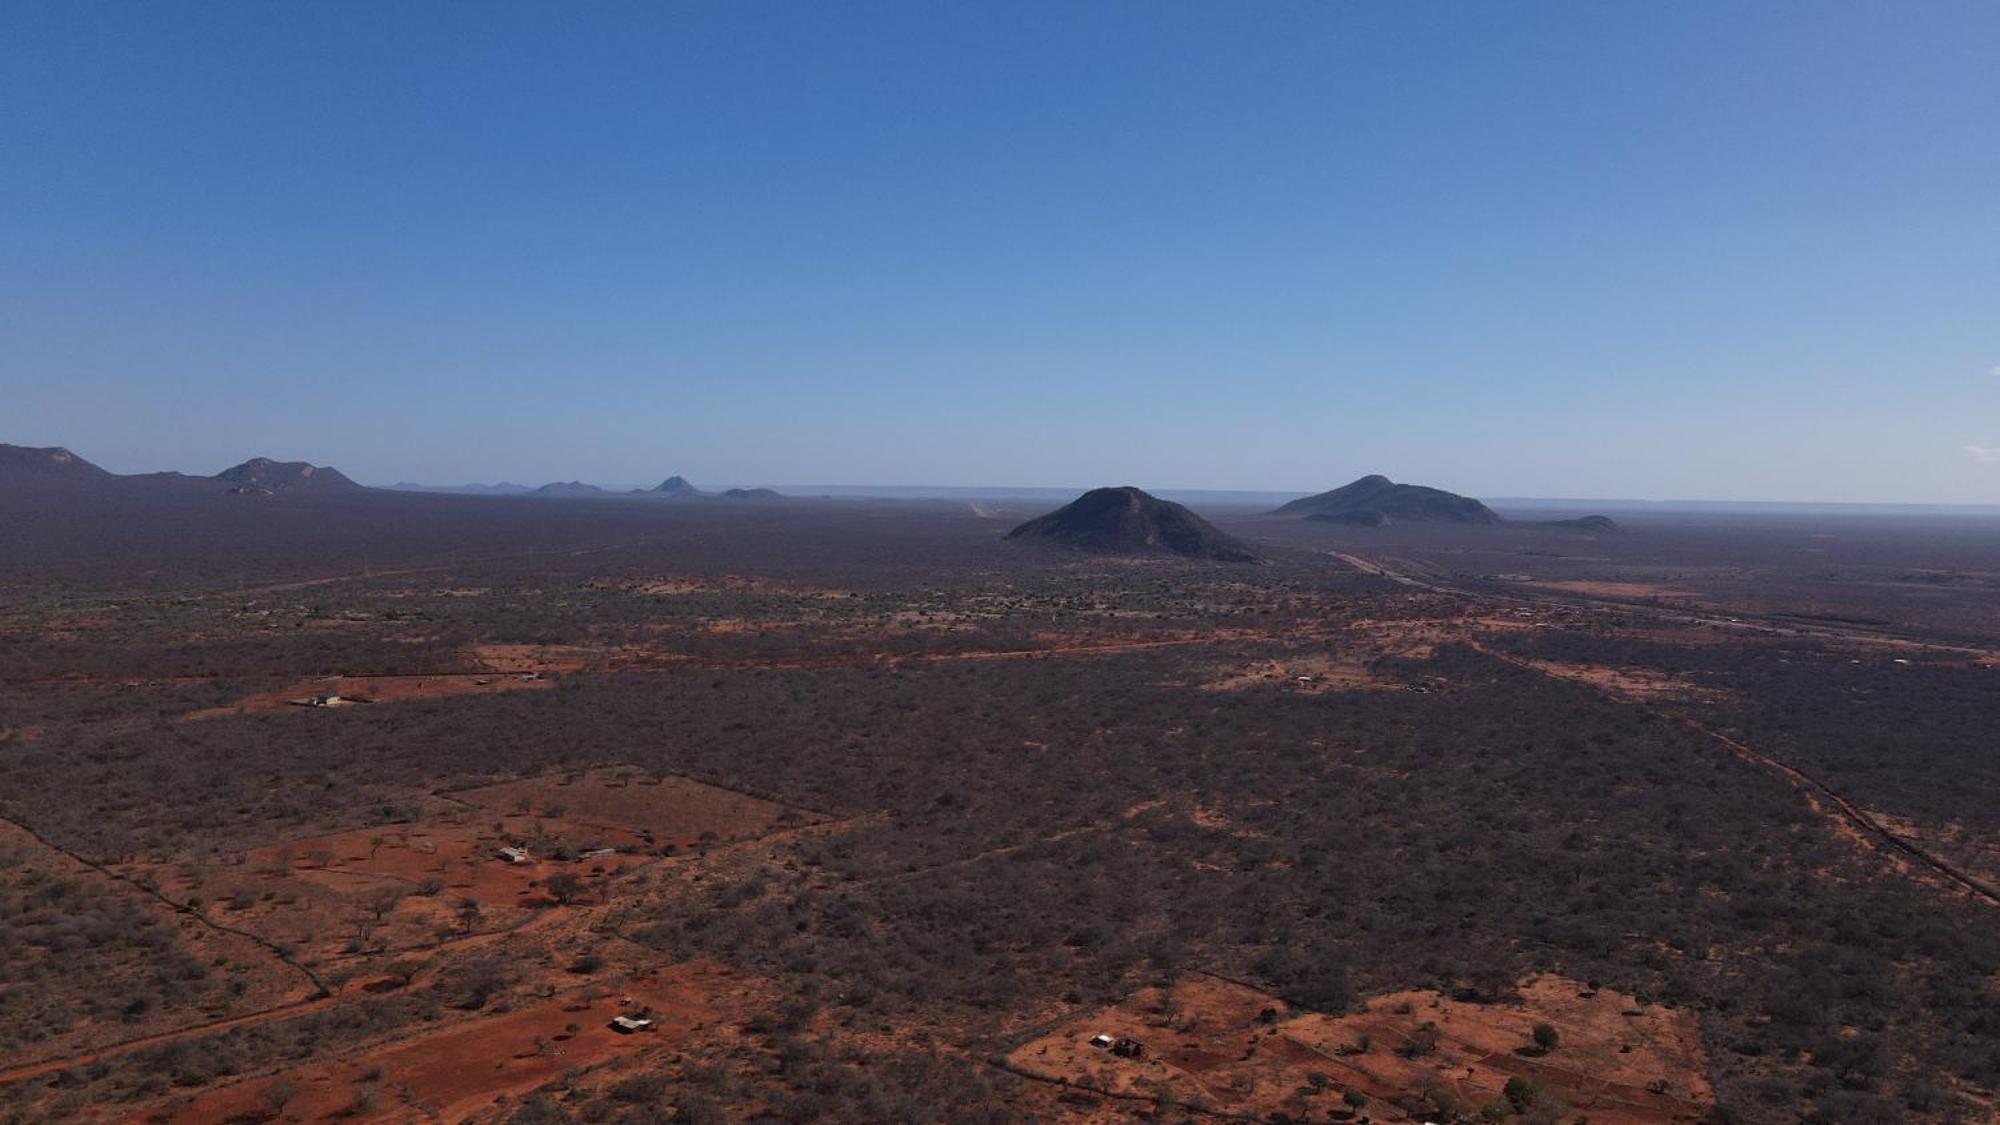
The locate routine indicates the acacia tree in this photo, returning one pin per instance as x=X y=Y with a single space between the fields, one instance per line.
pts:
x=563 y=886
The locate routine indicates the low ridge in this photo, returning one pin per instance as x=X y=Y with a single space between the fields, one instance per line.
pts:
x=1128 y=521
x=1587 y=523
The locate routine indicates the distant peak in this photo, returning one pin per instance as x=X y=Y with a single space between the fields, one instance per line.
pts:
x=677 y=486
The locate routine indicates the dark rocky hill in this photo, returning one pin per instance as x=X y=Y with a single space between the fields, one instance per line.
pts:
x=752 y=494
x=263 y=475
x=1127 y=521
x=1376 y=500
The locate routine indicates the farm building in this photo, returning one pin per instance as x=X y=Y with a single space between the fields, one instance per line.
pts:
x=512 y=855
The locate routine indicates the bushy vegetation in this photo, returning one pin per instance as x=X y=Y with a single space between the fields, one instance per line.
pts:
x=1025 y=834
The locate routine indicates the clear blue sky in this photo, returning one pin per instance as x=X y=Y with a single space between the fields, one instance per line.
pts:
x=1713 y=250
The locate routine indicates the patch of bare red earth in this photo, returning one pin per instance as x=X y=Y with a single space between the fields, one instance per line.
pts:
x=1209 y=1040
x=665 y=809
x=462 y=1071
x=377 y=689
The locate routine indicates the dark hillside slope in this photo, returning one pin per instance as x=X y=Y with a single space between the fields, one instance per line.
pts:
x=1127 y=521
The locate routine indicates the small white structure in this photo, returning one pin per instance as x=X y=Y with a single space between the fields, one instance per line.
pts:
x=626 y=1025
x=598 y=853
x=513 y=855
x=1102 y=1041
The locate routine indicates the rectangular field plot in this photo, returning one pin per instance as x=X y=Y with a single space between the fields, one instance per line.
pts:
x=663 y=810
x=404 y=886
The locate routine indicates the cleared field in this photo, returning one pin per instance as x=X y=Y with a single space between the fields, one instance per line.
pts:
x=399 y=886
x=664 y=810
x=1244 y=1051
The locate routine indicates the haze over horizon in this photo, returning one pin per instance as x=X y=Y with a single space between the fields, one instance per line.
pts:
x=1558 y=250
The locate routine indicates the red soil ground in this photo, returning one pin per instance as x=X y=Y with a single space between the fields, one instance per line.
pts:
x=312 y=892
x=458 y=1072
x=375 y=690
x=671 y=809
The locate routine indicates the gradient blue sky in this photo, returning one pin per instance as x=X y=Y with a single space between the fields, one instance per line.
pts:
x=1711 y=250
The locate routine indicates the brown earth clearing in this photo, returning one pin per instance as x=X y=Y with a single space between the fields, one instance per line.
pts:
x=336 y=692
x=473 y=1067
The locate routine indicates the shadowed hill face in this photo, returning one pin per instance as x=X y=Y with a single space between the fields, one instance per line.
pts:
x=50 y=463
x=264 y=474
x=1375 y=500
x=1127 y=521
x=752 y=494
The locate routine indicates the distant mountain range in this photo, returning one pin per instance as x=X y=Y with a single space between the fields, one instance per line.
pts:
x=1128 y=521
x=673 y=488
x=28 y=466
x=502 y=489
